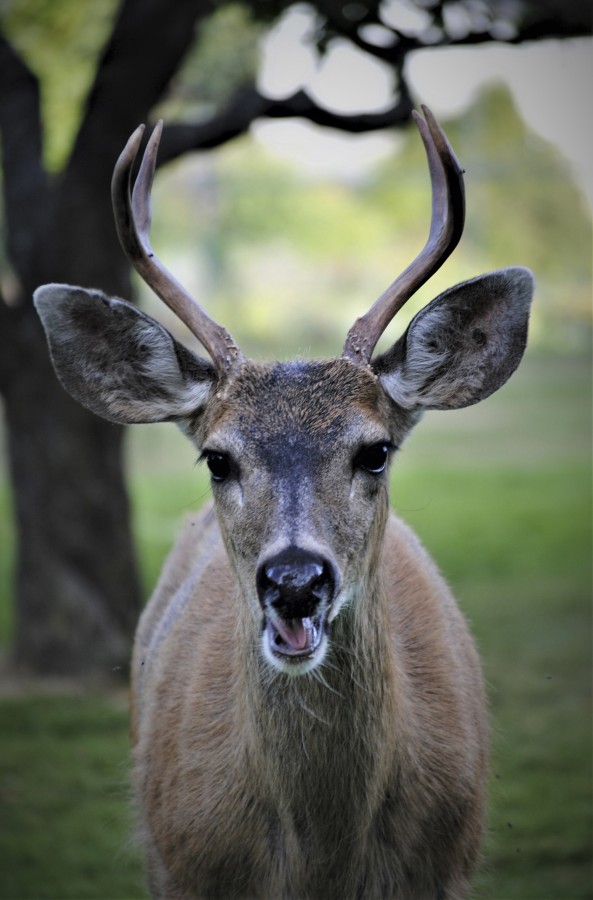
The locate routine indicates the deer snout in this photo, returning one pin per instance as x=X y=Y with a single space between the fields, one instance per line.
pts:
x=296 y=588
x=295 y=583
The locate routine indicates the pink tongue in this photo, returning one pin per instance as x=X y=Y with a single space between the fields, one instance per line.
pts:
x=293 y=631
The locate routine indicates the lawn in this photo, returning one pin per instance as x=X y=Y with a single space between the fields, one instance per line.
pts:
x=501 y=495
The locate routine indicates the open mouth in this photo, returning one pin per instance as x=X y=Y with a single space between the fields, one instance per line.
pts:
x=295 y=639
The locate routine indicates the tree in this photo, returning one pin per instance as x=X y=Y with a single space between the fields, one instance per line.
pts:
x=77 y=588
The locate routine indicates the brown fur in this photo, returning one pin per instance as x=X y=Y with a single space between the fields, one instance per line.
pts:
x=364 y=778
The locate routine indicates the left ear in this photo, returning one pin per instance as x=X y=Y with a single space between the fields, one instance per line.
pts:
x=463 y=346
x=117 y=361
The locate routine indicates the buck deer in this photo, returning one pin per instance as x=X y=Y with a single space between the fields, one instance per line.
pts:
x=308 y=715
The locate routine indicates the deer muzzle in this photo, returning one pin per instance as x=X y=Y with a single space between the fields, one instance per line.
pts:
x=296 y=588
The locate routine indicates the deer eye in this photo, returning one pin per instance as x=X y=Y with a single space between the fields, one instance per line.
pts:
x=372 y=459
x=218 y=463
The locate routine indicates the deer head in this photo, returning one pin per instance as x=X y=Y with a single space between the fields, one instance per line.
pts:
x=298 y=452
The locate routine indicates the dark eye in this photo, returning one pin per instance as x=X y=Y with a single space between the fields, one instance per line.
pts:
x=373 y=459
x=218 y=463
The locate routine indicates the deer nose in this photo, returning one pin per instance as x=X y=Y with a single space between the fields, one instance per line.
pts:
x=294 y=582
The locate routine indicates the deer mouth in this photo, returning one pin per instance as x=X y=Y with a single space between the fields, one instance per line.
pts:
x=295 y=639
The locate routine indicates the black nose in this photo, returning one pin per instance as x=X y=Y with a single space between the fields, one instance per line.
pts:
x=294 y=582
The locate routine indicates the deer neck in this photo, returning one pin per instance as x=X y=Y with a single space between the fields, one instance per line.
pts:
x=317 y=742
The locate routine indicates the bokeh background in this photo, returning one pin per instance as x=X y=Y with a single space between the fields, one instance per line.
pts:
x=286 y=234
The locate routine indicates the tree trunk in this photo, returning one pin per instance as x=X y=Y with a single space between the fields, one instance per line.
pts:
x=77 y=593
x=77 y=587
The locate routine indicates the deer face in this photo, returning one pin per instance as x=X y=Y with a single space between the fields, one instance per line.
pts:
x=299 y=457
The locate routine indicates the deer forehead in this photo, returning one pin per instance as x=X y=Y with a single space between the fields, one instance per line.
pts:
x=268 y=409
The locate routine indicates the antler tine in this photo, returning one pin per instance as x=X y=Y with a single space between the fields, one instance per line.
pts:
x=132 y=221
x=446 y=227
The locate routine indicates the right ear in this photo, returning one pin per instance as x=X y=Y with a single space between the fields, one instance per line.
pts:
x=117 y=361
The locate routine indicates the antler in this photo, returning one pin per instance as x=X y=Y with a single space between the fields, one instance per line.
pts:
x=446 y=227
x=132 y=221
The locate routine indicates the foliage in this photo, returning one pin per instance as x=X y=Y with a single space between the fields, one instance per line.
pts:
x=225 y=58
x=272 y=250
x=522 y=208
x=47 y=31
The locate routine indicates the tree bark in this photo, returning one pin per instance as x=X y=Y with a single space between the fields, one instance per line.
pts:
x=77 y=591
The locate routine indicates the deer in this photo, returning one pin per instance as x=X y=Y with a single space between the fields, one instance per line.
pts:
x=308 y=713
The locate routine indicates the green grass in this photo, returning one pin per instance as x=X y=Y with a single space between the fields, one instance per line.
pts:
x=531 y=614
x=65 y=825
x=501 y=495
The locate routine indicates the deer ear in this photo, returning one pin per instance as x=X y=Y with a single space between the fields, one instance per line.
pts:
x=117 y=361
x=461 y=347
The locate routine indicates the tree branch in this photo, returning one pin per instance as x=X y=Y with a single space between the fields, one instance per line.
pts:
x=535 y=31
x=394 y=54
x=538 y=22
x=148 y=43
x=249 y=104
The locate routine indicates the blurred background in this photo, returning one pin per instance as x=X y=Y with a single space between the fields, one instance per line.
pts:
x=292 y=188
